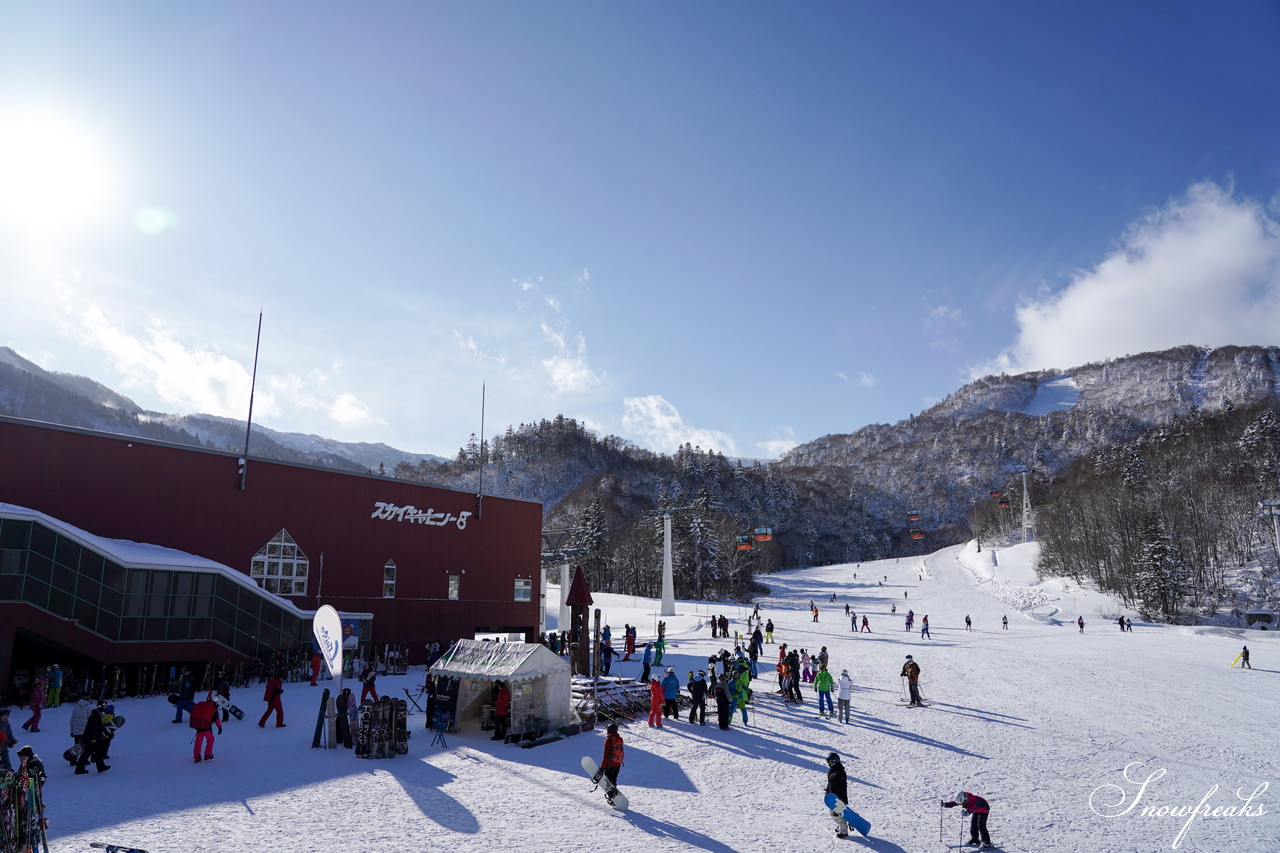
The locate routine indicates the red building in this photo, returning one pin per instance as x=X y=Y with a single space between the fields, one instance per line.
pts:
x=427 y=563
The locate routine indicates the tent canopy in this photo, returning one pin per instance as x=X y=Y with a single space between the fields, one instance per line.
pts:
x=513 y=662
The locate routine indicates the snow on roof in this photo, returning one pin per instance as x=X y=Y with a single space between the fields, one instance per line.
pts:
x=507 y=661
x=141 y=555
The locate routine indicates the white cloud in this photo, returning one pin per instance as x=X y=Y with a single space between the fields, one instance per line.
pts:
x=775 y=447
x=861 y=379
x=349 y=411
x=568 y=370
x=1203 y=270
x=658 y=422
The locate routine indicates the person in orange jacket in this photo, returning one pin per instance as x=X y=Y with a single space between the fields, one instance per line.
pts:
x=656 y=698
x=611 y=763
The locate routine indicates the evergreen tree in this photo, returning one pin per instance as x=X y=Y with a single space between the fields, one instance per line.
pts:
x=1160 y=576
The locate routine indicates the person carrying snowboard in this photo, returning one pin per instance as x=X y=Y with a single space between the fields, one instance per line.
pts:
x=979 y=808
x=838 y=784
x=611 y=762
x=203 y=717
x=1244 y=659
x=911 y=672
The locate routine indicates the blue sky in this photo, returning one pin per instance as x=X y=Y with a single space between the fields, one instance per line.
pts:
x=743 y=225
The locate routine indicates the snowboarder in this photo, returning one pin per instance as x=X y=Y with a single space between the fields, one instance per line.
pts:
x=823 y=684
x=911 y=672
x=838 y=784
x=968 y=623
x=369 y=680
x=611 y=762
x=656 y=699
x=95 y=741
x=1244 y=659
x=845 y=687
x=186 y=694
x=203 y=717
x=79 y=718
x=271 y=695
x=1080 y=622
x=973 y=805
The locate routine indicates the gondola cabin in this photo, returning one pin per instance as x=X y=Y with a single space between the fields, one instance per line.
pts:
x=913 y=515
x=916 y=533
x=763 y=534
x=1004 y=502
x=745 y=543
x=995 y=493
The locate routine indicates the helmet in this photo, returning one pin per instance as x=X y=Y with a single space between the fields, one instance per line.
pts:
x=908 y=657
x=833 y=758
x=960 y=797
x=612 y=728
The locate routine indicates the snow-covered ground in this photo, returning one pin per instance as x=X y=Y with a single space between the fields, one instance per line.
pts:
x=1057 y=729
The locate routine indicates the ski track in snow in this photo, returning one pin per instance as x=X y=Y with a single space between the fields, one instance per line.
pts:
x=1036 y=719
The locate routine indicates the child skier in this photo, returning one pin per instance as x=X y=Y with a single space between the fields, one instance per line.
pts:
x=979 y=808
x=911 y=672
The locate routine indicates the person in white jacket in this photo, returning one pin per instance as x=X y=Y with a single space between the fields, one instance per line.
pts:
x=79 y=719
x=844 y=686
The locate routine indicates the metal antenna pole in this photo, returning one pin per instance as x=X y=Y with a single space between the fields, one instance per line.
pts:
x=480 y=483
x=248 y=426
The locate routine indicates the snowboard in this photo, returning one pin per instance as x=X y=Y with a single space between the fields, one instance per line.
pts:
x=115 y=848
x=331 y=722
x=617 y=799
x=324 y=706
x=73 y=754
x=855 y=820
x=1237 y=660
x=401 y=726
x=224 y=704
x=364 y=730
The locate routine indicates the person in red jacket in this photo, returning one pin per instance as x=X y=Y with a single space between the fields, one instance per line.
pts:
x=979 y=808
x=611 y=763
x=656 y=699
x=275 y=688
x=316 y=660
x=203 y=717
x=501 y=712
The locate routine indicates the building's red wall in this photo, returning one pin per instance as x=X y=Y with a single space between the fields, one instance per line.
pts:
x=122 y=488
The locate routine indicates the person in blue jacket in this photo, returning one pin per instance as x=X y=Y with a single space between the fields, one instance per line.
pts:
x=645 y=662
x=670 y=690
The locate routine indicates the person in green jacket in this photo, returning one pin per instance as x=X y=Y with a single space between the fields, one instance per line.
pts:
x=823 y=684
x=658 y=646
x=744 y=691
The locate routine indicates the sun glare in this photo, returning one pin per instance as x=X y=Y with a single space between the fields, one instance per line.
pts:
x=54 y=176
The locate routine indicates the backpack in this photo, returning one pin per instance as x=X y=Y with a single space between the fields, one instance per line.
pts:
x=201 y=716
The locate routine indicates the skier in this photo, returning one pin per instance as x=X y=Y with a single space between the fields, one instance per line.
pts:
x=1004 y=622
x=698 y=693
x=853 y=623
x=656 y=698
x=815 y=614
x=865 y=626
x=1244 y=659
x=742 y=685
x=973 y=805
x=911 y=672
x=35 y=703
x=823 y=684
x=203 y=717
x=968 y=623
x=823 y=657
x=768 y=631
x=611 y=761
x=271 y=695
x=670 y=692
x=715 y=626
x=628 y=641
x=659 y=646
x=845 y=685
x=846 y=609
x=924 y=628
x=646 y=661
x=1080 y=622
x=893 y=610
x=793 y=665
x=757 y=640
x=838 y=784
x=55 y=686
x=724 y=625
x=6 y=739
x=806 y=666
x=606 y=658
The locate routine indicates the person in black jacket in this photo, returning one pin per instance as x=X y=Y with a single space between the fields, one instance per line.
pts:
x=838 y=784
x=723 y=709
x=95 y=741
x=698 y=691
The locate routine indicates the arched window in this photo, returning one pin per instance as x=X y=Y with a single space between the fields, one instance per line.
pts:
x=389 y=579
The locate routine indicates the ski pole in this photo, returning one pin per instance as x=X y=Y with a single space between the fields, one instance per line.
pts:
x=940 y=821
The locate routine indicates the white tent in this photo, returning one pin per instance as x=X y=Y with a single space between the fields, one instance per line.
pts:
x=537 y=678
